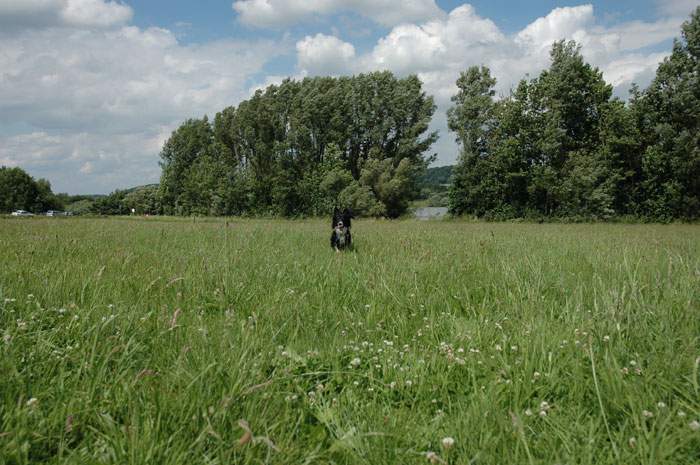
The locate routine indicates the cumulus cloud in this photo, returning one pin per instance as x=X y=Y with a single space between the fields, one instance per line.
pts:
x=323 y=54
x=16 y=14
x=277 y=13
x=677 y=7
x=103 y=101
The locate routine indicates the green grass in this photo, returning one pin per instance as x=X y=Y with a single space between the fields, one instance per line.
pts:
x=428 y=330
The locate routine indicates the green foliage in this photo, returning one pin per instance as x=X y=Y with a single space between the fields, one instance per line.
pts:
x=668 y=113
x=561 y=146
x=146 y=341
x=112 y=204
x=302 y=148
x=19 y=191
x=144 y=200
x=80 y=207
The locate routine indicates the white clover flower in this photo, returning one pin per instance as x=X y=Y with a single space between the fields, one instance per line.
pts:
x=694 y=425
x=33 y=401
x=647 y=414
x=448 y=442
x=632 y=442
x=606 y=338
x=661 y=405
x=409 y=383
x=528 y=412
x=681 y=413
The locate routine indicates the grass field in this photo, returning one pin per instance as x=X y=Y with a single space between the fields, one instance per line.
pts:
x=147 y=341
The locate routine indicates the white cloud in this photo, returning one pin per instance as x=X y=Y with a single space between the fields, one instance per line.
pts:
x=323 y=54
x=107 y=99
x=16 y=14
x=277 y=13
x=677 y=7
x=559 y=23
x=460 y=37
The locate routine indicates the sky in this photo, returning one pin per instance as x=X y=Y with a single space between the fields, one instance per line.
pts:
x=91 y=89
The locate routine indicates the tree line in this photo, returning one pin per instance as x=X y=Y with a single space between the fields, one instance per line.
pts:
x=562 y=146
x=559 y=145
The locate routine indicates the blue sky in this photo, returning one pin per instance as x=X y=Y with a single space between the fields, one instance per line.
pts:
x=90 y=89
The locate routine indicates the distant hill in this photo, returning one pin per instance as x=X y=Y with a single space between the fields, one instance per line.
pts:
x=433 y=187
x=437 y=178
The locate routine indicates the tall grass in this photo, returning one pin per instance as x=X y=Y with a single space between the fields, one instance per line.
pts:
x=130 y=341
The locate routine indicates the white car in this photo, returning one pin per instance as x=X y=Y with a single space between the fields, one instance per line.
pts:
x=22 y=213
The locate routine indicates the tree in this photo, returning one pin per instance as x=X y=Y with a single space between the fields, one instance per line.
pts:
x=668 y=114
x=191 y=141
x=545 y=150
x=472 y=119
x=19 y=191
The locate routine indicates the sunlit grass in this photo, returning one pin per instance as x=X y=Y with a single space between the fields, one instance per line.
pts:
x=148 y=340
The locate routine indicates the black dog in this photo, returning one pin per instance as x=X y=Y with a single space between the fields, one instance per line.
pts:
x=341 y=237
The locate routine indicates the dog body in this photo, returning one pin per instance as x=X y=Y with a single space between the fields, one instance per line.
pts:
x=341 y=237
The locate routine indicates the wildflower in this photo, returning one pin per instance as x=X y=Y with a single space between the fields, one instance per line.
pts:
x=409 y=383
x=528 y=412
x=543 y=413
x=694 y=425
x=632 y=442
x=433 y=457
x=536 y=375
x=32 y=402
x=661 y=405
x=606 y=338
x=681 y=413
x=647 y=414
x=448 y=442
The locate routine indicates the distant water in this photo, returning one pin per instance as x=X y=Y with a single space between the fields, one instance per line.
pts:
x=430 y=213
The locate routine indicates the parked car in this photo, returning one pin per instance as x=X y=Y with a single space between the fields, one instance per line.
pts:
x=22 y=213
x=58 y=213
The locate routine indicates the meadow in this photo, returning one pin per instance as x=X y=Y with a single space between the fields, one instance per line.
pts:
x=181 y=341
